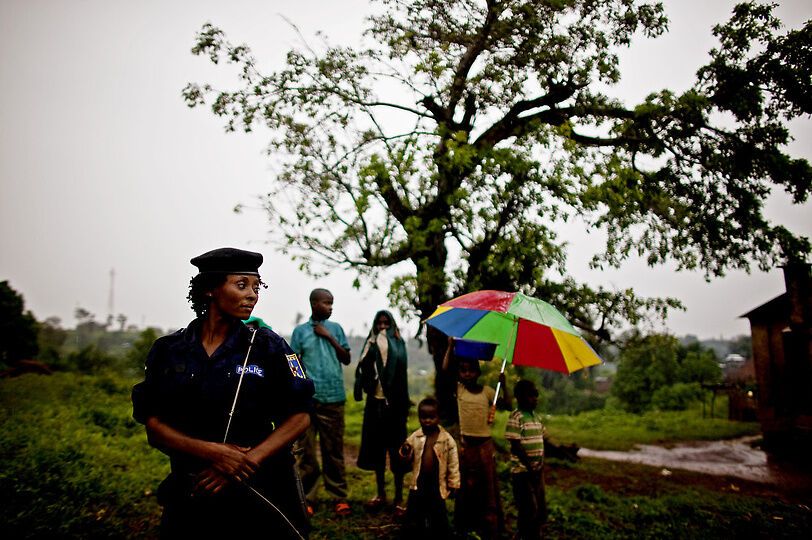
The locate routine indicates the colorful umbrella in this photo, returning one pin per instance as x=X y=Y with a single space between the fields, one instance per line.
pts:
x=526 y=330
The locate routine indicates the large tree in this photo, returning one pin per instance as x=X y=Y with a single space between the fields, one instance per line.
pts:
x=464 y=133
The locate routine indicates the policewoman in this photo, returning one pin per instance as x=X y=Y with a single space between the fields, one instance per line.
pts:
x=225 y=403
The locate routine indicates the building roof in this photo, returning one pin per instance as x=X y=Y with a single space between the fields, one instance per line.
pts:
x=773 y=309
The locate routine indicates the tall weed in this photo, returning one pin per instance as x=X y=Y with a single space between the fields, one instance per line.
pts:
x=74 y=460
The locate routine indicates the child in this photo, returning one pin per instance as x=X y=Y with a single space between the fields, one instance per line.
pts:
x=478 y=506
x=435 y=474
x=525 y=432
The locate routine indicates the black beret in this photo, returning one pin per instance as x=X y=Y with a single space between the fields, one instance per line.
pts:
x=228 y=261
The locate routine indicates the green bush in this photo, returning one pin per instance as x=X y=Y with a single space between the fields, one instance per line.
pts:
x=650 y=363
x=76 y=463
x=89 y=359
x=677 y=397
x=136 y=356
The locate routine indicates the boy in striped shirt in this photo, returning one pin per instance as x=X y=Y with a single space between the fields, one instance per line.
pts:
x=525 y=432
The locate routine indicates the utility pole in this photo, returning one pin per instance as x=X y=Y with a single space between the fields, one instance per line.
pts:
x=110 y=305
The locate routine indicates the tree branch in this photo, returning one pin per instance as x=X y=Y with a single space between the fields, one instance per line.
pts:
x=468 y=59
x=600 y=141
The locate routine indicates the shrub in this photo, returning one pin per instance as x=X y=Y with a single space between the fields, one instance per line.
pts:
x=89 y=359
x=73 y=461
x=649 y=364
x=677 y=397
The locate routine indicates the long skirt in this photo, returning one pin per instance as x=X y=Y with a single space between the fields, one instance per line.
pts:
x=478 y=507
x=382 y=432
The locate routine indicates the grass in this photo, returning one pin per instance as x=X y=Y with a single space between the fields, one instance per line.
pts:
x=73 y=464
x=74 y=460
x=599 y=499
x=617 y=430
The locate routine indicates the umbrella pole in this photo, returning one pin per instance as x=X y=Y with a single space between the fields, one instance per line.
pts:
x=499 y=383
x=492 y=412
x=504 y=361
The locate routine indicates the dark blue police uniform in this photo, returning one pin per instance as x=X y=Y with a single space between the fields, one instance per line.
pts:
x=193 y=393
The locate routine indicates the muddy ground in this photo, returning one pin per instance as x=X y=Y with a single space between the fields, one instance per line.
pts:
x=635 y=479
x=624 y=478
x=618 y=479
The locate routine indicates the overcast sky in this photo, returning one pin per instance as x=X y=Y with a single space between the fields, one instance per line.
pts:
x=102 y=166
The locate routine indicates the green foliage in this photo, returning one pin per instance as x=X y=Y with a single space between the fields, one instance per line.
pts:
x=590 y=493
x=89 y=359
x=677 y=397
x=92 y=347
x=136 y=356
x=565 y=398
x=558 y=393
x=18 y=328
x=76 y=462
x=73 y=464
x=648 y=364
x=51 y=339
x=742 y=345
x=619 y=430
x=590 y=512
x=480 y=128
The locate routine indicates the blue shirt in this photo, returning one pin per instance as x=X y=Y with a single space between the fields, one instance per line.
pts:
x=320 y=359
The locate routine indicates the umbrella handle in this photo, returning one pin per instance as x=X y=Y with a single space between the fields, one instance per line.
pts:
x=492 y=411
x=499 y=384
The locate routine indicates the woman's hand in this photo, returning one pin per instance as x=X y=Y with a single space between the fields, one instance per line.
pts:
x=232 y=461
x=209 y=482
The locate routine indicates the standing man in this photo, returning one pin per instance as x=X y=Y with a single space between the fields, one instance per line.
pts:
x=322 y=347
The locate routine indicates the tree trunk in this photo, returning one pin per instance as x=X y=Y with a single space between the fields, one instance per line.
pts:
x=431 y=291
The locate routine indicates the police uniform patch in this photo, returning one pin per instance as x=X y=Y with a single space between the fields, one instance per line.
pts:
x=253 y=369
x=295 y=366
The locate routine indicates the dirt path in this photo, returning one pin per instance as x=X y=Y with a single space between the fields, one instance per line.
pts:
x=630 y=479
x=732 y=465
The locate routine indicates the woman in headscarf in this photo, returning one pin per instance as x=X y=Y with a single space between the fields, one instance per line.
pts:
x=382 y=375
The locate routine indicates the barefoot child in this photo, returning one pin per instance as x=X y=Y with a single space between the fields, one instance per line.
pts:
x=525 y=432
x=478 y=506
x=435 y=475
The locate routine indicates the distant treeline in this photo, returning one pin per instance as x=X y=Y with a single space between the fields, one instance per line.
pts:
x=642 y=372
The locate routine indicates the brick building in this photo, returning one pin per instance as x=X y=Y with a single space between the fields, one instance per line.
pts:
x=782 y=354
